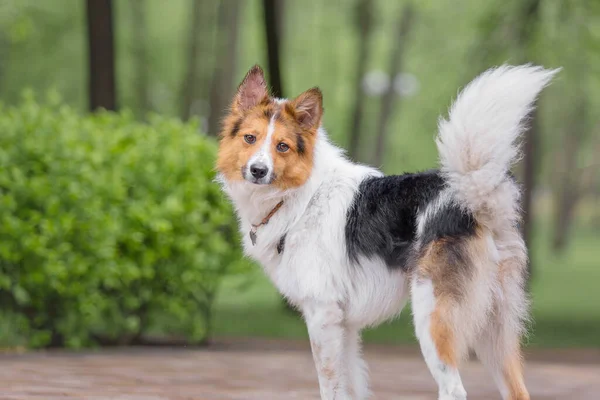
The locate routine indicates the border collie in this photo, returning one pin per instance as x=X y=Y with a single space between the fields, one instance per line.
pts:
x=348 y=246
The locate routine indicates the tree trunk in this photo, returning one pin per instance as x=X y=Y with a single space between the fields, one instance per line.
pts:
x=224 y=71
x=590 y=183
x=569 y=176
x=364 y=20
x=4 y=56
x=101 y=50
x=569 y=186
x=527 y=25
x=279 y=19
x=273 y=11
x=188 y=86
x=140 y=53
x=564 y=215
x=530 y=166
x=404 y=25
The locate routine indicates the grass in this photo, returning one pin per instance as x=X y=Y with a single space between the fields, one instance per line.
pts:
x=566 y=301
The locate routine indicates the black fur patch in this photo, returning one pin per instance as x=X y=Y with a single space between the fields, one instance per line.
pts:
x=268 y=113
x=236 y=127
x=300 y=145
x=281 y=244
x=382 y=220
x=450 y=221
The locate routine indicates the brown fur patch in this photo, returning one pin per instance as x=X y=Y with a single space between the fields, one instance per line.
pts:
x=442 y=334
x=234 y=152
x=513 y=375
x=328 y=372
x=450 y=263
x=291 y=168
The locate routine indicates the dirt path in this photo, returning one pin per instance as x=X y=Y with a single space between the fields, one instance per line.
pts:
x=252 y=370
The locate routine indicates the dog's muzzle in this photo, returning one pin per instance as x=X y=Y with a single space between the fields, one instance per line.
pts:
x=258 y=173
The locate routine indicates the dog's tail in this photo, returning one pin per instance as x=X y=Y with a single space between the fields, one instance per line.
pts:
x=478 y=143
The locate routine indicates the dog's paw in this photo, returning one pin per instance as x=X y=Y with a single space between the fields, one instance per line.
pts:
x=452 y=397
x=458 y=393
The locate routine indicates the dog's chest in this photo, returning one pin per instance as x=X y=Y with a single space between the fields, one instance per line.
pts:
x=308 y=258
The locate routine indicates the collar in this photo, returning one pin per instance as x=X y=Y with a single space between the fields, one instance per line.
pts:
x=264 y=221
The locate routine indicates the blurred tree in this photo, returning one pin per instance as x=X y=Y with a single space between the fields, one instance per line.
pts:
x=140 y=56
x=364 y=23
x=101 y=51
x=404 y=24
x=226 y=59
x=273 y=13
x=568 y=190
x=4 y=56
x=525 y=29
x=590 y=182
x=189 y=85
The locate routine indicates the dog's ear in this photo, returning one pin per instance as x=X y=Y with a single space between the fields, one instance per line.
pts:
x=308 y=108
x=252 y=91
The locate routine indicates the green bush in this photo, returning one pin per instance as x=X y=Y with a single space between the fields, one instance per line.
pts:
x=109 y=228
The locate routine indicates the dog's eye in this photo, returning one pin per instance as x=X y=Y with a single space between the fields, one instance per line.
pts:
x=282 y=147
x=250 y=139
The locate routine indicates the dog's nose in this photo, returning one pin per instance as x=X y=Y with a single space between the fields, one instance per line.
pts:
x=259 y=170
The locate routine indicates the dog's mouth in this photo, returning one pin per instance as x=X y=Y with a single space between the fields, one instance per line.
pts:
x=261 y=181
x=266 y=180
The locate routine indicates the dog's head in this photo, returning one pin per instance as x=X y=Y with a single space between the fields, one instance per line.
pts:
x=268 y=141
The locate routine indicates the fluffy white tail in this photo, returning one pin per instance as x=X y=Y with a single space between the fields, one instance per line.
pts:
x=478 y=143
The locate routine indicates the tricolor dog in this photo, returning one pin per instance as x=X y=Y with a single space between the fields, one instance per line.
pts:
x=349 y=246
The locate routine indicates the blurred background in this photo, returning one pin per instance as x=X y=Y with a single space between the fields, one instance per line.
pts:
x=111 y=229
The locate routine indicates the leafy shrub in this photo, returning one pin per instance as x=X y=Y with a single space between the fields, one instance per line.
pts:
x=108 y=226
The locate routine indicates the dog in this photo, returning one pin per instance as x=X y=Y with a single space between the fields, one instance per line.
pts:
x=349 y=246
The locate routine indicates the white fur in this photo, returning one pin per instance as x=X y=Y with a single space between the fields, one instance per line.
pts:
x=477 y=144
x=263 y=154
x=338 y=299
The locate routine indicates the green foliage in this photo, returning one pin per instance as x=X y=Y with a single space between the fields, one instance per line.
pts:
x=107 y=224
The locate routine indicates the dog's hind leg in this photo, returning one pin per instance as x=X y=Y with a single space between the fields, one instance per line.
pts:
x=325 y=323
x=451 y=289
x=437 y=340
x=499 y=347
x=502 y=357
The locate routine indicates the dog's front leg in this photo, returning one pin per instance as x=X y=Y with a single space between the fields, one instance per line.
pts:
x=325 y=322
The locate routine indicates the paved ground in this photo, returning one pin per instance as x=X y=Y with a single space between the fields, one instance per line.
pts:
x=252 y=370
